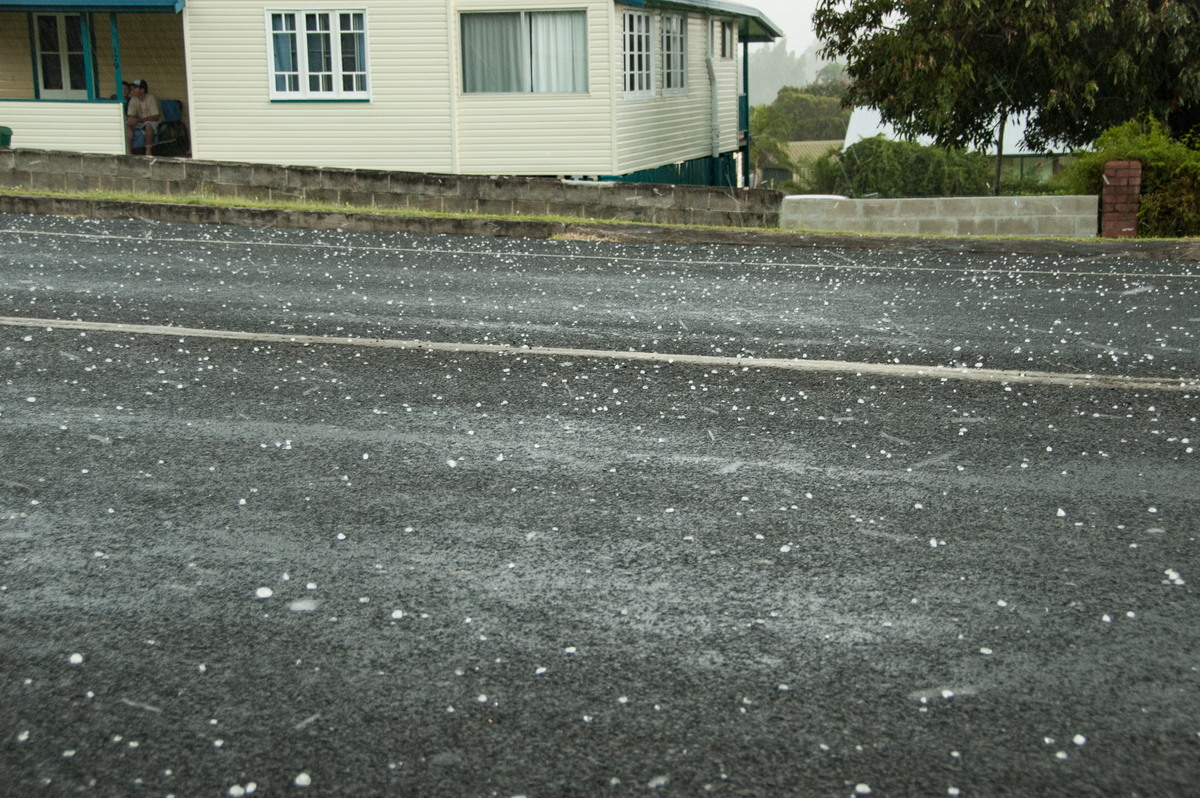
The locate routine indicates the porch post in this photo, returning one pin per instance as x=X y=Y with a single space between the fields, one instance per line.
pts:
x=89 y=68
x=116 y=48
x=33 y=57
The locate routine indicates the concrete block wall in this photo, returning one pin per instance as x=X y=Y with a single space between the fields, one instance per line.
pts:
x=1121 y=199
x=1041 y=216
x=519 y=196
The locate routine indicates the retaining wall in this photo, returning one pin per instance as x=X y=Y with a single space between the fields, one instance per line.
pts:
x=655 y=203
x=1041 y=216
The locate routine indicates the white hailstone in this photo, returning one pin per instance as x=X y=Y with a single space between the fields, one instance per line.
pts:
x=785 y=548
x=397 y=613
x=987 y=652
x=264 y=592
x=1061 y=755
x=75 y=659
x=302 y=780
x=1062 y=513
x=569 y=650
x=452 y=463
x=953 y=792
x=539 y=671
x=1079 y=739
x=862 y=789
x=366 y=456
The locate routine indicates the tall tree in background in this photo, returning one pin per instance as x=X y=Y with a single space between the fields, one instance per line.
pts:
x=956 y=69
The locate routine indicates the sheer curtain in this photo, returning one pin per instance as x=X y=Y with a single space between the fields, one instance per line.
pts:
x=492 y=53
x=558 y=50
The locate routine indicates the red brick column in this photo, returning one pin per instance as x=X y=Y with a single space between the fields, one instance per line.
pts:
x=1121 y=199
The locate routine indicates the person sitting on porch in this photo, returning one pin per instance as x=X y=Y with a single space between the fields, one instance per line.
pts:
x=142 y=114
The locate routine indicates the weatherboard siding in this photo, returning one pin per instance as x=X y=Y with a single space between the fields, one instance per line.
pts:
x=541 y=133
x=406 y=125
x=671 y=128
x=66 y=126
x=16 y=65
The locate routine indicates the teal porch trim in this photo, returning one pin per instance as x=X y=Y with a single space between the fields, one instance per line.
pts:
x=718 y=171
x=88 y=6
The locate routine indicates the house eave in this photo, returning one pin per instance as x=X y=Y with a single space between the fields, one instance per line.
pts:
x=753 y=25
x=95 y=6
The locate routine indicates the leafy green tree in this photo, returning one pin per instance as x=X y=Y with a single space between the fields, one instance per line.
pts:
x=798 y=115
x=1071 y=68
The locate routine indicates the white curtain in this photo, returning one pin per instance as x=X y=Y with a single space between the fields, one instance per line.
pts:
x=492 y=53
x=558 y=50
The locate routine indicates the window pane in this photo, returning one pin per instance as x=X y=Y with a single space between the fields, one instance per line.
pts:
x=284 y=52
x=74 y=26
x=492 y=60
x=558 y=47
x=48 y=34
x=78 y=73
x=52 y=77
x=320 y=52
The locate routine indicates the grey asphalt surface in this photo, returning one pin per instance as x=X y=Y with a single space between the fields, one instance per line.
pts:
x=231 y=567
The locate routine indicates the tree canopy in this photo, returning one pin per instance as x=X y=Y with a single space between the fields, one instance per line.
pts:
x=1069 y=68
x=812 y=113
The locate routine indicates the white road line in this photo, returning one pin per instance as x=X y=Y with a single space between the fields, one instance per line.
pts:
x=851 y=266
x=892 y=370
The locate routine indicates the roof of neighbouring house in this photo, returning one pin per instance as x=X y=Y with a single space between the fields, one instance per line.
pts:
x=866 y=122
x=811 y=149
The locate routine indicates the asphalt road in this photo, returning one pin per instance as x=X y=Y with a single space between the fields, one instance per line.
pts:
x=238 y=565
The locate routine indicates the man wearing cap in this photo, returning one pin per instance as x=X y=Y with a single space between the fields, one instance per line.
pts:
x=142 y=114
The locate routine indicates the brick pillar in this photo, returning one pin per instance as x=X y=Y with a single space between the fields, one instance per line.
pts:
x=1121 y=199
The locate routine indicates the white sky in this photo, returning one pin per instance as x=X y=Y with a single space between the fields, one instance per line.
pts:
x=794 y=16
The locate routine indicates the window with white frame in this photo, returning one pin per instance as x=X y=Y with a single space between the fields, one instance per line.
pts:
x=638 y=54
x=524 y=51
x=318 y=55
x=674 y=53
x=725 y=40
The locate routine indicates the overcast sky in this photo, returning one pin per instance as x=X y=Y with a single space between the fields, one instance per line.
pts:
x=791 y=15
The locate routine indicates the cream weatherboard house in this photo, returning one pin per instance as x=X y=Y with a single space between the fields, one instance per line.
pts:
x=636 y=90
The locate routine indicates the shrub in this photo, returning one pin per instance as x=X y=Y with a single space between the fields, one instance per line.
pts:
x=1170 y=175
x=884 y=168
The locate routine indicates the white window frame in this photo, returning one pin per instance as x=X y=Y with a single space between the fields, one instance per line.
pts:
x=726 y=44
x=297 y=84
x=637 y=54
x=674 y=54
x=528 y=52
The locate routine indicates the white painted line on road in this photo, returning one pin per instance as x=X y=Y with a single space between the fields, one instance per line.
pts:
x=892 y=370
x=849 y=266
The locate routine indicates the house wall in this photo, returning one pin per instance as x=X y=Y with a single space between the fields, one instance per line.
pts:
x=531 y=133
x=70 y=126
x=407 y=123
x=670 y=129
x=16 y=65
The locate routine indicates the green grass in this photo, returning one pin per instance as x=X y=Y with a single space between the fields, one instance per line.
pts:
x=322 y=207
